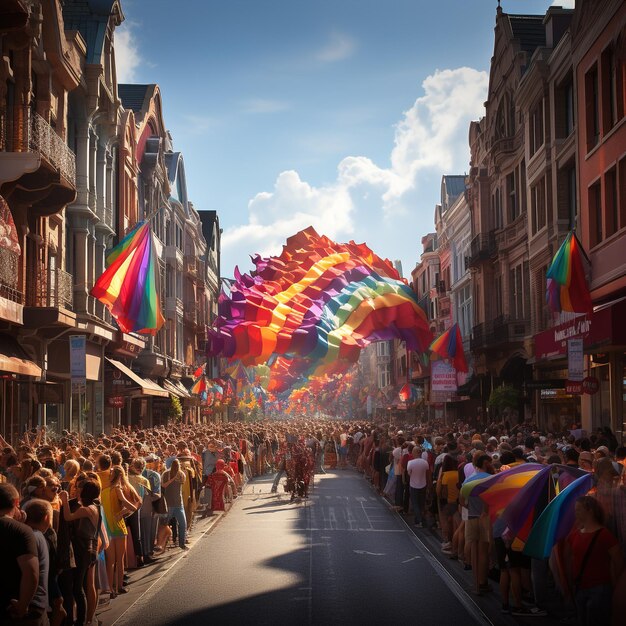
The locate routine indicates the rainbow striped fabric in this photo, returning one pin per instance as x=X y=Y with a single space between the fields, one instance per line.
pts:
x=319 y=301
x=450 y=346
x=566 y=285
x=128 y=287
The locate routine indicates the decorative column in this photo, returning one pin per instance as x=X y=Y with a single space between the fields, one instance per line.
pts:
x=81 y=247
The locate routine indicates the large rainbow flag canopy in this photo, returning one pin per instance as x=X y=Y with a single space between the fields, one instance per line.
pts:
x=320 y=301
x=128 y=287
x=450 y=346
x=566 y=285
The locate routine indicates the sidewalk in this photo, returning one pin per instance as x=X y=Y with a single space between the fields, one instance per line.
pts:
x=143 y=578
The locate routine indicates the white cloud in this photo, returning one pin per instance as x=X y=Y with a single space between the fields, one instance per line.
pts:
x=365 y=200
x=264 y=105
x=340 y=46
x=127 y=56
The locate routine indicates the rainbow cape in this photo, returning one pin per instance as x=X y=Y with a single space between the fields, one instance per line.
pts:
x=128 y=287
x=566 y=285
x=450 y=346
x=319 y=302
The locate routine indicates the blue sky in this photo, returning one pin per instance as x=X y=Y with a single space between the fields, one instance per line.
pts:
x=341 y=114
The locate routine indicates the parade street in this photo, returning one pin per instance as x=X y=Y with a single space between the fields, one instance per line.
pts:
x=340 y=557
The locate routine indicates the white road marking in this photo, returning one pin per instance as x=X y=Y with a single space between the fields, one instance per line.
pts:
x=368 y=553
x=412 y=559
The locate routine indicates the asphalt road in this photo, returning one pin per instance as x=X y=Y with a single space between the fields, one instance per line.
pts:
x=341 y=557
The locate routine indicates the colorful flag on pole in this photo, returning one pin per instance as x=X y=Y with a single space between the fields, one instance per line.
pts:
x=450 y=346
x=566 y=286
x=129 y=285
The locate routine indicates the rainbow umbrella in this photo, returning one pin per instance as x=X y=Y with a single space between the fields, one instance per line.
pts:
x=566 y=285
x=557 y=519
x=128 y=287
x=450 y=346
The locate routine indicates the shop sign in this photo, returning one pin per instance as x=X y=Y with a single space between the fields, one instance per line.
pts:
x=442 y=376
x=553 y=342
x=575 y=360
x=78 y=363
x=551 y=383
x=574 y=387
x=591 y=385
x=116 y=402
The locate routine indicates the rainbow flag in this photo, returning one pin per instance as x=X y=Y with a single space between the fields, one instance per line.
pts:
x=199 y=386
x=450 y=346
x=128 y=287
x=319 y=302
x=566 y=285
x=499 y=490
x=557 y=519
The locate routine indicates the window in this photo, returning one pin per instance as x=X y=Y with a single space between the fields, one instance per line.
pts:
x=568 y=103
x=571 y=197
x=384 y=375
x=512 y=197
x=612 y=89
x=516 y=287
x=538 y=206
x=383 y=348
x=497 y=210
x=611 y=210
x=498 y=296
x=592 y=108
x=622 y=192
x=464 y=310
x=595 y=214
x=536 y=128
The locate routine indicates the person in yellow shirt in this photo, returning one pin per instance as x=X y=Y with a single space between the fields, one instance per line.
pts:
x=448 y=495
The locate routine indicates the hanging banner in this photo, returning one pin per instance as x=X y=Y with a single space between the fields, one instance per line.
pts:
x=575 y=360
x=78 y=363
x=8 y=233
x=442 y=376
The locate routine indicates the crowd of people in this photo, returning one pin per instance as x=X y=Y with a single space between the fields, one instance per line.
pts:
x=78 y=511
x=422 y=471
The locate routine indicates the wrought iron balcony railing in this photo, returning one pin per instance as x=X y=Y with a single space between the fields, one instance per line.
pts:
x=9 y=266
x=50 y=289
x=27 y=131
x=482 y=248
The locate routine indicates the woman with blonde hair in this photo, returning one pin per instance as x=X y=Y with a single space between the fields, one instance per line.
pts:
x=115 y=506
x=72 y=469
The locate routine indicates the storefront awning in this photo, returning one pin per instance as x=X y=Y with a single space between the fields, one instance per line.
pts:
x=183 y=390
x=13 y=358
x=148 y=387
x=167 y=384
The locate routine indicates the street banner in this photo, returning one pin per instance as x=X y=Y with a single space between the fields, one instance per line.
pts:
x=442 y=376
x=575 y=360
x=78 y=363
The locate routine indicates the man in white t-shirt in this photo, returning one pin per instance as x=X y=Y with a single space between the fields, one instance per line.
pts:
x=419 y=480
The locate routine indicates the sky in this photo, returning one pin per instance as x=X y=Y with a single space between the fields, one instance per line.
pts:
x=337 y=114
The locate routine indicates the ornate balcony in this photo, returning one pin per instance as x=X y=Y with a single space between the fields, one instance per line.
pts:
x=482 y=248
x=506 y=145
x=37 y=161
x=52 y=289
x=498 y=332
x=9 y=264
x=513 y=233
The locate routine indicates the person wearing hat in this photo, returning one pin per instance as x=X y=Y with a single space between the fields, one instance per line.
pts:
x=602 y=452
x=585 y=461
